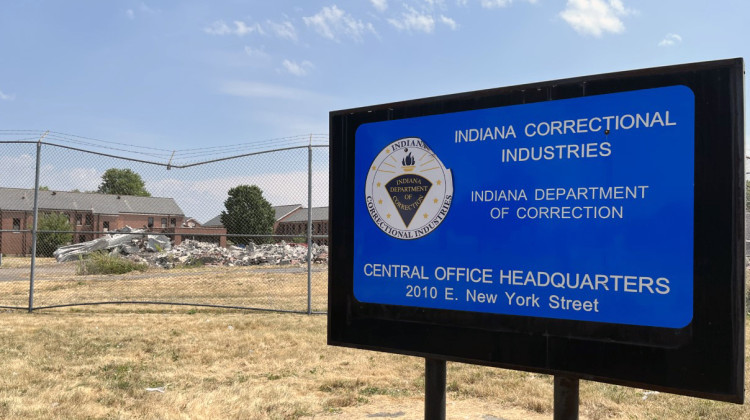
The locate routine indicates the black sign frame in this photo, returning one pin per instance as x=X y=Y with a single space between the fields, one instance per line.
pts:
x=705 y=359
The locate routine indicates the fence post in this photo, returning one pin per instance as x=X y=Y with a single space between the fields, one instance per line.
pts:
x=35 y=222
x=309 y=227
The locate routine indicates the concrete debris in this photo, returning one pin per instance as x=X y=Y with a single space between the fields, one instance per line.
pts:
x=195 y=253
x=157 y=250
x=124 y=236
x=158 y=243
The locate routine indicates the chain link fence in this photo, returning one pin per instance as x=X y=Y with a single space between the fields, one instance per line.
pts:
x=186 y=243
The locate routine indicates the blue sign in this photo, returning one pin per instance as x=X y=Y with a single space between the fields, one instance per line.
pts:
x=578 y=209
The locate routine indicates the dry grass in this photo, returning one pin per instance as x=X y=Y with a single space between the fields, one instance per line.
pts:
x=255 y=287
x=96 y=362
x=25 y=262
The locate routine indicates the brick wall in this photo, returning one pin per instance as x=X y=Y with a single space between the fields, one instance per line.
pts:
x=82 y=223
x=15 y=243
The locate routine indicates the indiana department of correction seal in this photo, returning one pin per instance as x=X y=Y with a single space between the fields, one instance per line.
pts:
x=409 y=190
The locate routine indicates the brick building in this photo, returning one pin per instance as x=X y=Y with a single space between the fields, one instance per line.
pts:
x=90 y=215
x=291 y=221
x=295 y=223
x=194 y=230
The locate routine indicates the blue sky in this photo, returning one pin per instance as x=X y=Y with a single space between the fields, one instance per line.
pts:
x=191 y=74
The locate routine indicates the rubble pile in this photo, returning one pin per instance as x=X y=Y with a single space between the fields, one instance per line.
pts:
x=157 y=250
x=191 y=252
x=125 y=238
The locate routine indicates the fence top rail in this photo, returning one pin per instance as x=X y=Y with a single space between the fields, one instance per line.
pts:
x=167 y=164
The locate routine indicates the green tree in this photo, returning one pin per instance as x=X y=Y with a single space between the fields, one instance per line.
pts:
x=747 y=195
x=122 y=182
x=248 y=213
x=47 y=242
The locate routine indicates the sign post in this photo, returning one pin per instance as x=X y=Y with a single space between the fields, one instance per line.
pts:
x=434 y=389
x=589 y=227
x=566 y=398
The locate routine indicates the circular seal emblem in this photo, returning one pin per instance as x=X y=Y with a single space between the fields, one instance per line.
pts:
x=409 y=190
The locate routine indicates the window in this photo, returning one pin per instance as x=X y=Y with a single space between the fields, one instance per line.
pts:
x=150 y=222
x=173 y=222
x=81 y=238
x=163 y=222
x=89 y=219
x=16 y=224
x=79 y=219
x=106 y=226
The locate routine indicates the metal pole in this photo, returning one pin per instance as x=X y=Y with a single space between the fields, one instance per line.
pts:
x=35 y=222
x=309 y=227
x=434 y=389
x=566 y=398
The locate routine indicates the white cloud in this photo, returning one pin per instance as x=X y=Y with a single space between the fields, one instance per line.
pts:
x=142 y=9
x=297 y=69
x=218 y=28
x=379 y=5
x=22 y=168
x=240 y=28
x=18 y=171
x=594 y=17
x=284 y=30
x=258 y=53
x=449 y=22
x=670 y=40
x=413 y=21
x=332 y=22
x=6 y=96
x=82 y=179
x=494 y=4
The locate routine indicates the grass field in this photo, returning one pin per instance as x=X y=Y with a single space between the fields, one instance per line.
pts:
x=277 y=288
x=112 y=361
x=97 y=363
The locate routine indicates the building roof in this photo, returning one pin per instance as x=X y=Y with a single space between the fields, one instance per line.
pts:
x=300 y=215
x=283 y=211
x=215 y=222
x=279 y=213
x=18 y=199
